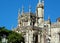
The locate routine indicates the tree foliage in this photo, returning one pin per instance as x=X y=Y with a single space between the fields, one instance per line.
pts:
x=12 y=37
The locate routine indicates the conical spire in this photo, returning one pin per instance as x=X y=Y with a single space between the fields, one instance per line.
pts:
x=19 y=16
x=19 y=13
x=49 y=20
x=22 y=10
x=39 y=3
x=29 y=8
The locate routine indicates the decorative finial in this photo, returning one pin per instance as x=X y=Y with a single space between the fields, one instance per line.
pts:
x=43 y=2
x=19 y=13
x=39 y=1
x=48 y=18
x=29 y=8
x=22 y=9
x=49 y=21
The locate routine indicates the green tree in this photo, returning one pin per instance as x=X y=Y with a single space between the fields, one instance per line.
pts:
x=12 y=37
x=15 y=38
x=4 y=31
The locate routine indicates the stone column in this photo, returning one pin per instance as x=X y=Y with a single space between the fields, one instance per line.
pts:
x=39 y=38
x=42 y=38
x=31 y=36
x=27 y=37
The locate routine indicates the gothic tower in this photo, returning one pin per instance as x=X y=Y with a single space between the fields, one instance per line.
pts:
x=40 y=11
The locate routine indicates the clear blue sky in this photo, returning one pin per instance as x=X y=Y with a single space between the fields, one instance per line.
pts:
x=9 y=10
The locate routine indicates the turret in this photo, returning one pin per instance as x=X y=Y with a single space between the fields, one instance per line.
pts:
x=29 y=19
x=22 y=14
x=40 y=11
x=19 y=18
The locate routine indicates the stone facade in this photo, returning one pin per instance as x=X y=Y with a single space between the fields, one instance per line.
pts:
x=35 y=29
